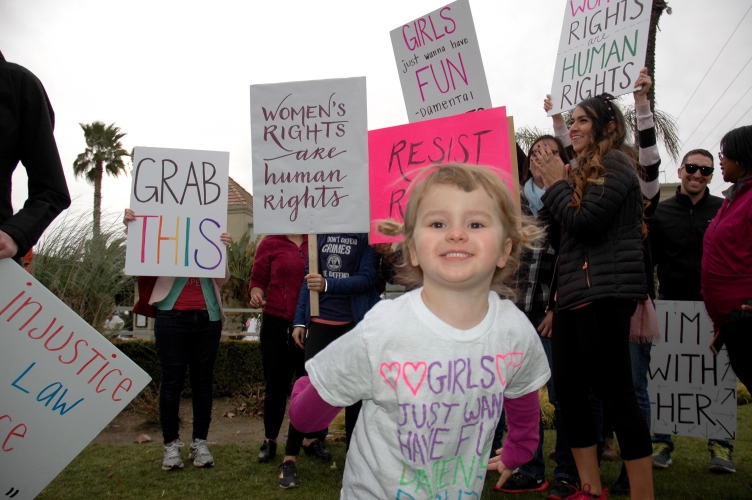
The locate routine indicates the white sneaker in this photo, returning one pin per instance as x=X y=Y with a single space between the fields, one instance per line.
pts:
x=200 y=454
x=171 y=458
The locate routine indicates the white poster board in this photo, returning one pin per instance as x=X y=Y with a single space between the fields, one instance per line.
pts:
x=692 y=392
x=180 y=199
x=439 y=64
x=601 y=49
x=61 y=383
x=310 y=157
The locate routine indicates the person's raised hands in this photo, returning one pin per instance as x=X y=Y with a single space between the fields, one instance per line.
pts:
x=642 y=84
x=548 y=105
x=547 y=166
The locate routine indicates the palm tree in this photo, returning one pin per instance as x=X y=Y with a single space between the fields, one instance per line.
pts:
x=104 y=152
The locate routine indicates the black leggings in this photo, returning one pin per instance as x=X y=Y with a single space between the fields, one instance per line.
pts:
x=283 y=363
x=738 y=339
x=591 y=350
x=319 y=337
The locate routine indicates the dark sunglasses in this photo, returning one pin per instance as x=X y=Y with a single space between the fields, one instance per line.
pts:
x=691 y=169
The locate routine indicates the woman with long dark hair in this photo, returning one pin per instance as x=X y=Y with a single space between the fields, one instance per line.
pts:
x=599 y=208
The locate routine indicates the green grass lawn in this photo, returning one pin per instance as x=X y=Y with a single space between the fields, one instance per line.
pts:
x=133 y=471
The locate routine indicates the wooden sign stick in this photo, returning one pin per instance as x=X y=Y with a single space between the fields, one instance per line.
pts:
x=313 y=267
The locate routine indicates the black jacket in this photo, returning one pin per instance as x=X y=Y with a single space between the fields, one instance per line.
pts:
x=676 y=237
x=600 y=253
x=26 y=124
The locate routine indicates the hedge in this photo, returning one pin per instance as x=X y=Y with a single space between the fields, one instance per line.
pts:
x=238 y=368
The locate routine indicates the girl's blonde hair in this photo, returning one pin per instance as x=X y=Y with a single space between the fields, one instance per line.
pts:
x=521 y=231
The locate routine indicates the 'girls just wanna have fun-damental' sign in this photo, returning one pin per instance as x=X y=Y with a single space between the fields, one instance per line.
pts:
x=61 y=383
x=310 y=156
x=179 y=197
x=397 y=154
x=692 y=392
x=439 y=64
x=601 y=49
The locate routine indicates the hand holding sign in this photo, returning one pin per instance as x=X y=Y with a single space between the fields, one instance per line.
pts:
x=601 y=49
x=643 y=84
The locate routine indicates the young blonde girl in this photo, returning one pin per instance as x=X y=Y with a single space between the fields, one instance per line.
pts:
x=434 y=366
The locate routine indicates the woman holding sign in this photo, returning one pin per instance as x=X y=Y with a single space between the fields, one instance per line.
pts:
x=187 y=328
x=278 y=271
x=601 y=275
x=347 y=290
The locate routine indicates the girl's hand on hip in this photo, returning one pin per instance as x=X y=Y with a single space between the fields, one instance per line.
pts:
x=298 y=335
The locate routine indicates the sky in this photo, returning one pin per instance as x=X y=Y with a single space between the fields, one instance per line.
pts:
x=176 y=74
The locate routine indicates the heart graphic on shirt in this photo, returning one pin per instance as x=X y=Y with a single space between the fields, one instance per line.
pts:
x=508 y=360
x=389 y=377
x=418 y=371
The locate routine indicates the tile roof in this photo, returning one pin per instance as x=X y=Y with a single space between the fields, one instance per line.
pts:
x=237 y=196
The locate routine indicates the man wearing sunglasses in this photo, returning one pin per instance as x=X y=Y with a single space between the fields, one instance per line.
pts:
x=676 y=236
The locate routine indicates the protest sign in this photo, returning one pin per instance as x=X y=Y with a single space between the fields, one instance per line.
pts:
x=180 y=200
x=310 y=156
x=692 y=392
x=601 y=49
x=62 y=383
x=439 y=64
x=396 y=154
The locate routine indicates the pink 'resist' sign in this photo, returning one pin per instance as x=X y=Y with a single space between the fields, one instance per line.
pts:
x=397 y=154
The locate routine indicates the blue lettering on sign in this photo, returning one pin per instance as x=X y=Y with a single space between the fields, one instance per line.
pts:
x=22 y=376
x=59 y=404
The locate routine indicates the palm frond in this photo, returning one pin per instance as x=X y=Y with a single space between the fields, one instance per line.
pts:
x=85 y=272
x=526 y=136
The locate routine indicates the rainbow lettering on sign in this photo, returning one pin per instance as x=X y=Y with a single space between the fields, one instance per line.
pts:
x=161 y=238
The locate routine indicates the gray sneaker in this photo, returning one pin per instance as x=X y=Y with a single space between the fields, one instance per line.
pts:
x=171 y=458
x=720 y=458
x=661 y=456
x=200 y=454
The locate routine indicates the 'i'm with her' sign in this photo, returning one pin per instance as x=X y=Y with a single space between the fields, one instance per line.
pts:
x=310 y=156
x=601 y=50
x=439 y=64
x=692 y=392
x=61 y=383
x=179 y=197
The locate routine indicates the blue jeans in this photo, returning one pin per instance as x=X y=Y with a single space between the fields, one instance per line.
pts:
x=566 y=468
x=186 y=339
x=640 y=357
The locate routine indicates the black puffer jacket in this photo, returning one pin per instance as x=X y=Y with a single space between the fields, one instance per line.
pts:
x=600 y=253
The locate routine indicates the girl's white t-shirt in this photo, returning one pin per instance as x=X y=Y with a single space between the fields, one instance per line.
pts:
x=432 y=395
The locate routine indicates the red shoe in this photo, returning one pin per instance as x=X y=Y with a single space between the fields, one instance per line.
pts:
x=584 y=494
